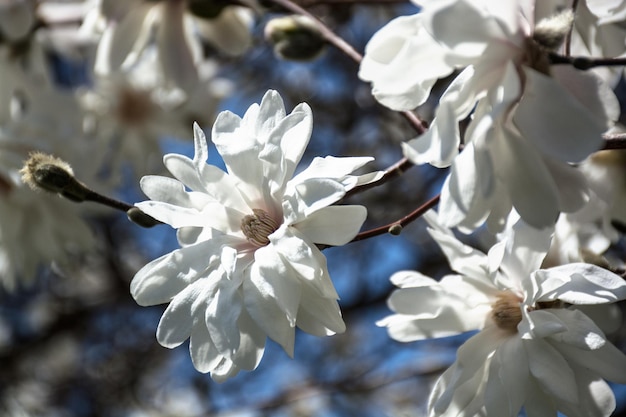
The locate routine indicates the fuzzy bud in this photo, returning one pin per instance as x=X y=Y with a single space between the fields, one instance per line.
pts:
x=295 y=38
x=46 y=172
x=551 y=31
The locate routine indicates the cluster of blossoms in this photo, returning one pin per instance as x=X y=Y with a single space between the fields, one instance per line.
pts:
x=525 y=159
x=520 y=135
x=536 y=347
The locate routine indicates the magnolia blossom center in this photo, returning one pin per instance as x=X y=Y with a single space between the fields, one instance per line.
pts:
x=506 y=311
x=258 y=226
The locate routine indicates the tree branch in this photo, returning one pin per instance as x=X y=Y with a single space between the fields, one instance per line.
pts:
x=396 y=227
x=614 y=141
x=584 y=63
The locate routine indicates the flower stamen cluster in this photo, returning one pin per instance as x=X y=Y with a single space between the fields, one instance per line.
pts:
x=258 y=226
x=506 y=311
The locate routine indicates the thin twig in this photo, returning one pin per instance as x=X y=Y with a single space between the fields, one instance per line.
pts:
x=399 y=224
x=584 y=63
x=568 y=38
x=614 y=141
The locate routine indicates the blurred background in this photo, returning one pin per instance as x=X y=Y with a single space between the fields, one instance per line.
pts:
x=73 y=342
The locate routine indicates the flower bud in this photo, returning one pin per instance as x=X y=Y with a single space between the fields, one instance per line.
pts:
x=295 y=38
x=46 y=172
x=140 y=218
x=551 y=31
x=395 y=229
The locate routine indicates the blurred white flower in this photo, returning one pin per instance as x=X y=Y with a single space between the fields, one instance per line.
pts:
x=590 y=231
x=528 y=121
x=179 y=27
x=535 y=349
x=131 y=112
x=249 y=265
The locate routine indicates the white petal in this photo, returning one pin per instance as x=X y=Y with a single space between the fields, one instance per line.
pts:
x=163 y=278
x=466 y=28
x=204 y=355
x=331 y=167
x=580 y=283
x=439 y=145
x=597 y=97
x=293 y=134
x=222 y=313
x=173 y=214
x=462 y=258
x=525 y=250
x=581 y=332
x=309 y=196
x=239 y=147
x=539 y=324
x=410 y=279
x=176 y=55
x=465 y=389
x=122 y=40
x=596 y=398
x=540 y=404
x=318 y=315
x=533 y=192
x=555 y=122
x=272 y=297
x=334 y=225
x=251 y=343
x=171 y=191
x=224 y=371
x=403 y=62
x=229 y=31
x=551 y=370
x=461 y=197
x=572 y=185
x=177 y=320
x=508 y=378
x=608 y=361
x=304 y=258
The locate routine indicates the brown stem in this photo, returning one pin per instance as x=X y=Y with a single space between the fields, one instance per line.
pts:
x=399 y=224
x=568 y=38
x=584 y=63
x=614 y=141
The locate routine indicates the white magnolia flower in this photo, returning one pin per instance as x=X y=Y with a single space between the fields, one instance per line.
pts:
x=528 y=121
x=249 y=265
x=535 y=349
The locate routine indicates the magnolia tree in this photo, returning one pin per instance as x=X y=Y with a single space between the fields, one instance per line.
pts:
x=514 y=103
